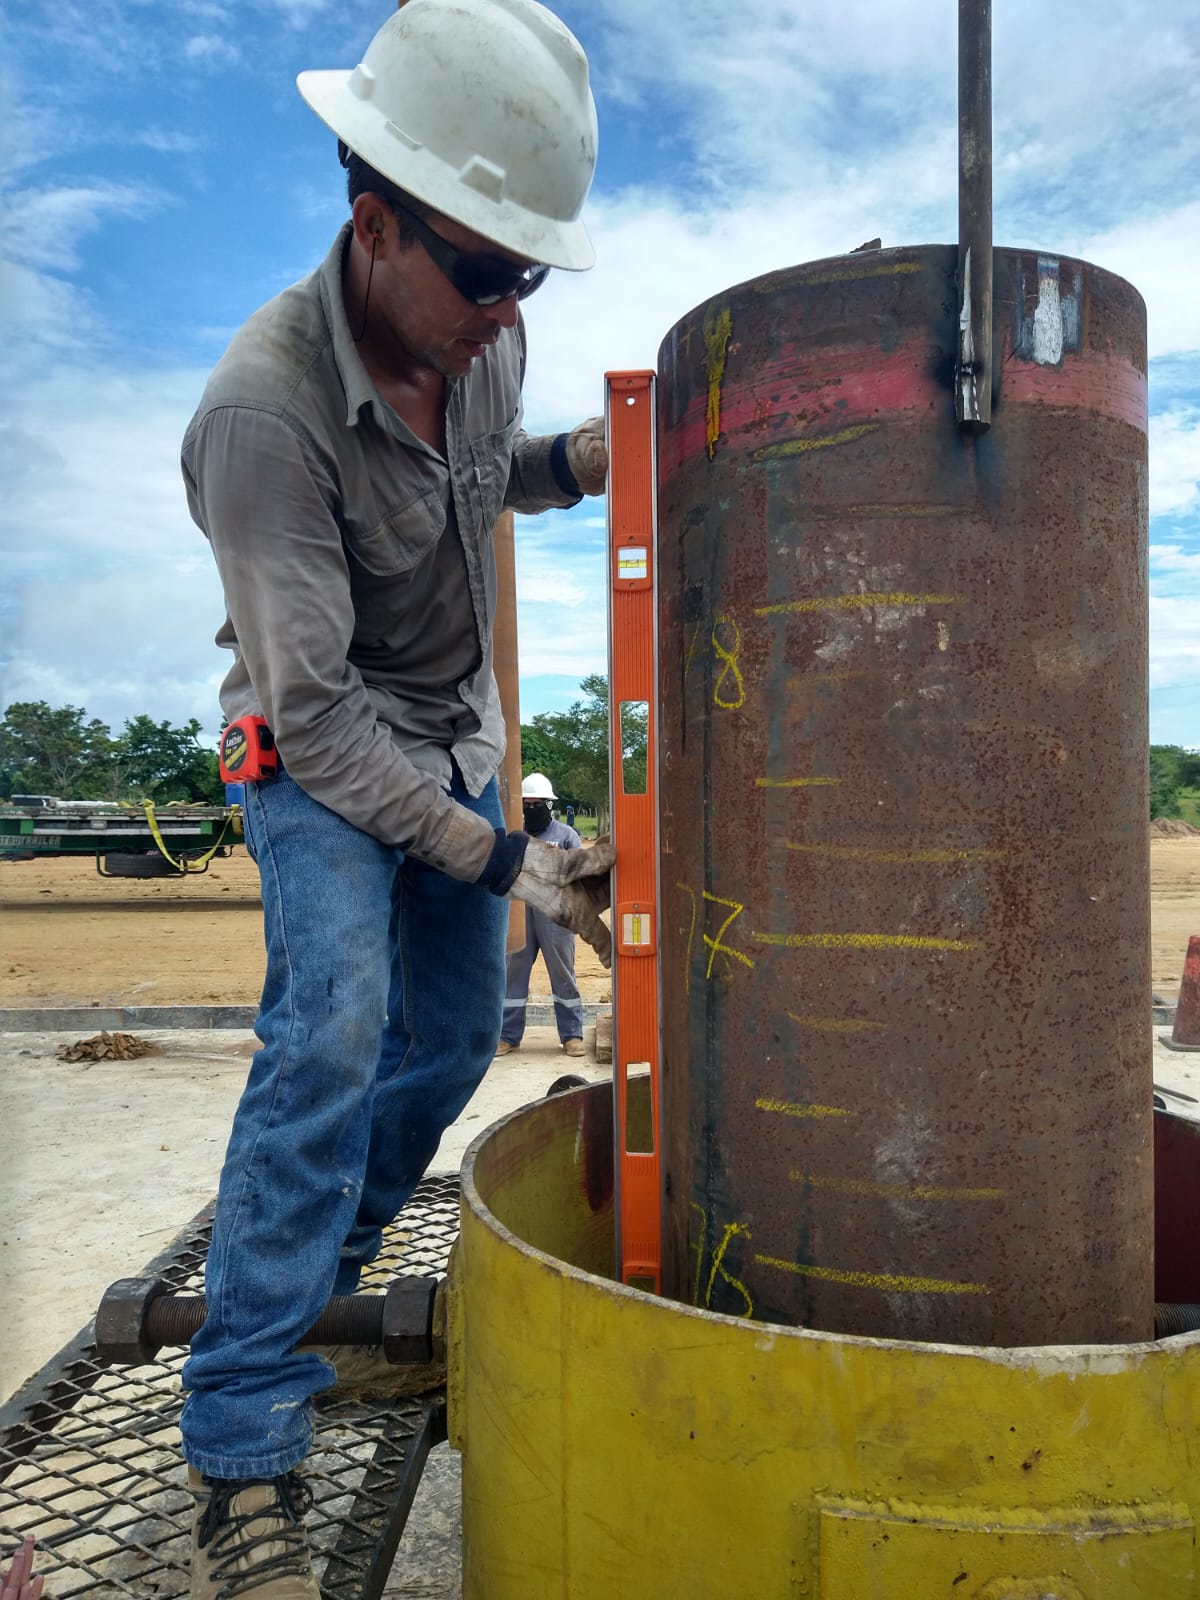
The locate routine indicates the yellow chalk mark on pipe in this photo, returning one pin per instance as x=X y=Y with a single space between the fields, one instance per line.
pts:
x=857 y=602
x=715 y=945
x=898 y=269
x=717 y=332
x=698 y=1247
x=729 y=697
x=874 y=1280
x=789 y=1108
x=824 y=441
x=733 y=1230
x=838 y=852
x=881 y=508
x=796 y=783
x=861 y=941
x=687 y=959
x=895 y=1191
x=804 y=679
x=839 y=1024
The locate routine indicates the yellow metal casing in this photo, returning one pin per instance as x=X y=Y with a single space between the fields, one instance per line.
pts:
x=621 y=1447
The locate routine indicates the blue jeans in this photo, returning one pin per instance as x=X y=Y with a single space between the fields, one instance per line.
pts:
x=380 y=1014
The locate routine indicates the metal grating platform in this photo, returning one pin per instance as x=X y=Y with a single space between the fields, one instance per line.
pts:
x=90 y=1463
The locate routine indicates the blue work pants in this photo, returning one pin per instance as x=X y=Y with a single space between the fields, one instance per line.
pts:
x=379 y=1016
x=557 y=947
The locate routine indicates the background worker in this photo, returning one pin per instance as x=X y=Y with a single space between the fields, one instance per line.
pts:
x=347 y=463
x=555 y=944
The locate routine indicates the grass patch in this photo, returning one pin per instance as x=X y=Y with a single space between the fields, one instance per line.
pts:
x=1189 y=806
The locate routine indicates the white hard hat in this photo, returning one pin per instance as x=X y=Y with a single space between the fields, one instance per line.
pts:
x=480 y=108
x=537 y=787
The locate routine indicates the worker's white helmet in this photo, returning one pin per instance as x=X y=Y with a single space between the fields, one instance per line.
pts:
x=480 y=108
x=537 y=787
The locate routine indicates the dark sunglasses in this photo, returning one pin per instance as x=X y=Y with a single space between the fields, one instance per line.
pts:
x=483 y=280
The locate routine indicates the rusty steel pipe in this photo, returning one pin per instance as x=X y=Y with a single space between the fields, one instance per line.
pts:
x=973 y=371
x=904 y=815
x=505 y=664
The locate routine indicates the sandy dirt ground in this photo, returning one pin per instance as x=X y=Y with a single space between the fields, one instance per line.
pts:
x=105 y=1162
x=70 y=937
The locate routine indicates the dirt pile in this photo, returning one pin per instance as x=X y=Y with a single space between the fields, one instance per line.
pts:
x=1172 y=828
x=109 y=1047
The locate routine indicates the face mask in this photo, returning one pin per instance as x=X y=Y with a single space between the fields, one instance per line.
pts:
x=537 y=817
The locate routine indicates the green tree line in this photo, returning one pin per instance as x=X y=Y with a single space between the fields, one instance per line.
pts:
x=1174 y=782
x=63 y=752
x=571 y=748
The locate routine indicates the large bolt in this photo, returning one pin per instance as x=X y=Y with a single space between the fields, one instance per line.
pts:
x=122 y=1336
x=138 y=1316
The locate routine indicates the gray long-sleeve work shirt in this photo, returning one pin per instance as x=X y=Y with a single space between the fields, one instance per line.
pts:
x=357 y=565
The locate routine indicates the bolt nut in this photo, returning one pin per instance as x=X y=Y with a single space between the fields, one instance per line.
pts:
x=122 y=1337
x=408 y=1320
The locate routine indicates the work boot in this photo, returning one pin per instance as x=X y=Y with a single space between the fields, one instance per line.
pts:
x=573 y=1047
x=248 y=1538
x=504 y=1048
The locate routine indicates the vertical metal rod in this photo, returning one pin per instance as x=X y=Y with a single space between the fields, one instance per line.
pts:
x=973 y=372
x=505 y=665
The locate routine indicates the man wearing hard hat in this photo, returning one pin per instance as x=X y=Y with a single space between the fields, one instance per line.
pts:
x=543 y=936
x=347 y=463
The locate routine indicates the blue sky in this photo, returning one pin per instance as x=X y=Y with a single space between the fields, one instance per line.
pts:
x=162 y=178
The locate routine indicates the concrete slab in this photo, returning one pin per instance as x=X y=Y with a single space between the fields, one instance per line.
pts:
x=106 y=1161
x=53 y=1019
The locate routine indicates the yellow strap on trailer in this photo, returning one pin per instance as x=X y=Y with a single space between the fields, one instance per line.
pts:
x=183 y=864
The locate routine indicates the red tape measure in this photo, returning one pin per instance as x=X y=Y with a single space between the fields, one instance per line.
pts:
x=246 y=753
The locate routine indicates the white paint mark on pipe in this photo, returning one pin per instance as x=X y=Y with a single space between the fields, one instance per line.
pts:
x=1048 y=319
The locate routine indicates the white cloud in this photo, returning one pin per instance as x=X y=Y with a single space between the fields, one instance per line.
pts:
x=116 y=598
x=166 y=143
x=1173 y=558
x=298 y=13
x=553 y=642
x=1175 y=648
x=768 y=135
x=41 y=317
x=538 y=583
x=562 y=615
x=1175 y=460
x=656 y=259
x=1157 y=253
x=207 y=11
x=211 y=49
x=46 y=226
x=787 y=100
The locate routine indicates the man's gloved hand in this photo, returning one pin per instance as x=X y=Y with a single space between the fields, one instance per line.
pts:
x=569 y=886
x=587 y=456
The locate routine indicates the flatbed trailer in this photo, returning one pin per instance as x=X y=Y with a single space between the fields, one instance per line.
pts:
x=127 y=839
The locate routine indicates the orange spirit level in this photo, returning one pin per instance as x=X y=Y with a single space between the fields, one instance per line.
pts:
x=632 y=710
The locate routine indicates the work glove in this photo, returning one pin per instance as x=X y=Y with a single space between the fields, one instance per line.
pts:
x=570 y=887
x=587 y=456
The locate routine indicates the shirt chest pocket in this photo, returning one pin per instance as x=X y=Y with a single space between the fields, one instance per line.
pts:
x=491 y=458
x=402 y=540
